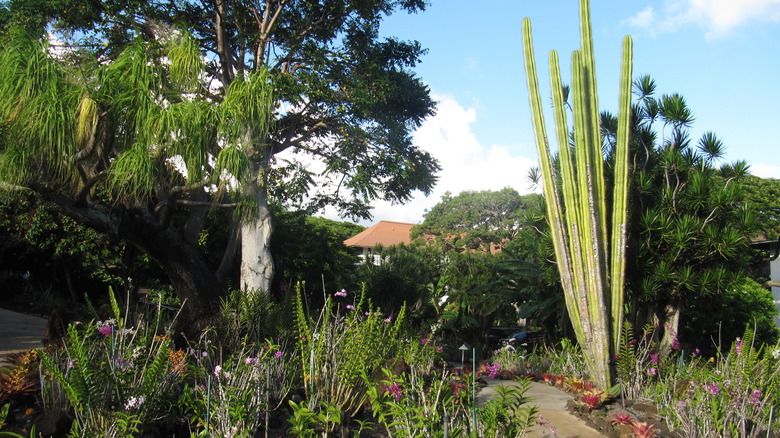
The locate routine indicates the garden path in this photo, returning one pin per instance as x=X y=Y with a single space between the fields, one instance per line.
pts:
x=19 y=332
x=551 y=402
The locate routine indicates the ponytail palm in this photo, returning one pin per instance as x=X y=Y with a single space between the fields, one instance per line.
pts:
x=135 y=147
x=589 y=243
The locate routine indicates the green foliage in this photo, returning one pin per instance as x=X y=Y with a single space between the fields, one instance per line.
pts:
x=762 y=195
x=473 y=221
x=638 y=363
x=310 y=250
x=508 y=414
x=410 y=406
x=306 y=422
x=406 y=274
x=253 y=318
x=347 y=338
x=232 y=394
x=746 y=303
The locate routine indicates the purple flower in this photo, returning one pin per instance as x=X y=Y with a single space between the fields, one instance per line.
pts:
x=493 y=370
x=738 y=346
x=350 y=307
x=424 y=341
x=652 y=371
x=712 y=388
x=279 y=354
x=388 y=319
x=122 y=364
x=696 y=352
x=250 y=360
x=395 y=390
x=440 y=349
x=755 y=397
x=341 y=293
x=653 y=359
x=105 y=330
x=71 y=363
x=676 y=343
x=134 y=403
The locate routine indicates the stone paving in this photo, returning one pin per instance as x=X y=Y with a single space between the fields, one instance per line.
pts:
x=19 y=332
x=551 y=402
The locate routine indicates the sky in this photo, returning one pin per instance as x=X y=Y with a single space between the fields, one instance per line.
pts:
x=723 y=56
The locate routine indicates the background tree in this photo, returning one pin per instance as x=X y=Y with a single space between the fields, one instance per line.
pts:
x=763 y=196
x=310 y=250
x=340 y=95
x=473 y=221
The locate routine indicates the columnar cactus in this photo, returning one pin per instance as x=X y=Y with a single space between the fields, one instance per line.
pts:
x=590 y=251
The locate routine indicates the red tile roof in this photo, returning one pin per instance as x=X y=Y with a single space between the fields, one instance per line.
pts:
x=386 y=233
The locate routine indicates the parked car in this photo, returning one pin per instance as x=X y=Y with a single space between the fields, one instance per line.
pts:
x=526 y=340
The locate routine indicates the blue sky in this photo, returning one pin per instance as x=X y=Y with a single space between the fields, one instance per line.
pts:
x=723 y=56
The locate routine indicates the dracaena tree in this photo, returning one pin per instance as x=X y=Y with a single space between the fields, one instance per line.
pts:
x=175 y=108
x=691 y=224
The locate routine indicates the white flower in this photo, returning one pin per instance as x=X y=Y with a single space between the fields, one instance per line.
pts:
x=443 y=299
x=135 y=403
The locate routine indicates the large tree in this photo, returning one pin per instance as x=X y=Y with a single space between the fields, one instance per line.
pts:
x=473 y=220
x=140 y=138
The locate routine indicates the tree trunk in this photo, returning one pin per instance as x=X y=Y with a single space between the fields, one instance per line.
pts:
x=671 y=320
x=194 y=281
x=257 y=265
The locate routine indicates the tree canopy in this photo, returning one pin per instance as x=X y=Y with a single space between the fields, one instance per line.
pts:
x=137 y=118
x=474 y=220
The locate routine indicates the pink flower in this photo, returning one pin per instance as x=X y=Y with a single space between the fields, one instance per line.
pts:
x=350 y=307
x=696 y=352
x=250 y=360
x=652 y=371
x=341 y=293
x=712 y=388
x=279 y=354
x=738 y=346
x=388 y=319
x=395 y=390
x=653 y=358
x=493 y=370
x=105 y=330
x=424 y=341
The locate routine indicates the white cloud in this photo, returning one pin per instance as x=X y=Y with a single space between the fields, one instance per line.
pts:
x=718 y=17
x=466 y=164
x=765 y=171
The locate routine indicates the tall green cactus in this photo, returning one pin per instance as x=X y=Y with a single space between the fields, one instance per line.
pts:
x=589 y=251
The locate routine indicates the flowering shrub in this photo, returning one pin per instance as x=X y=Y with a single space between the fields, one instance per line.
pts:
x=233 y=396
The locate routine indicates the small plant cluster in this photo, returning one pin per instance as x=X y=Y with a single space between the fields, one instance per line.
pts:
x=732 y=394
